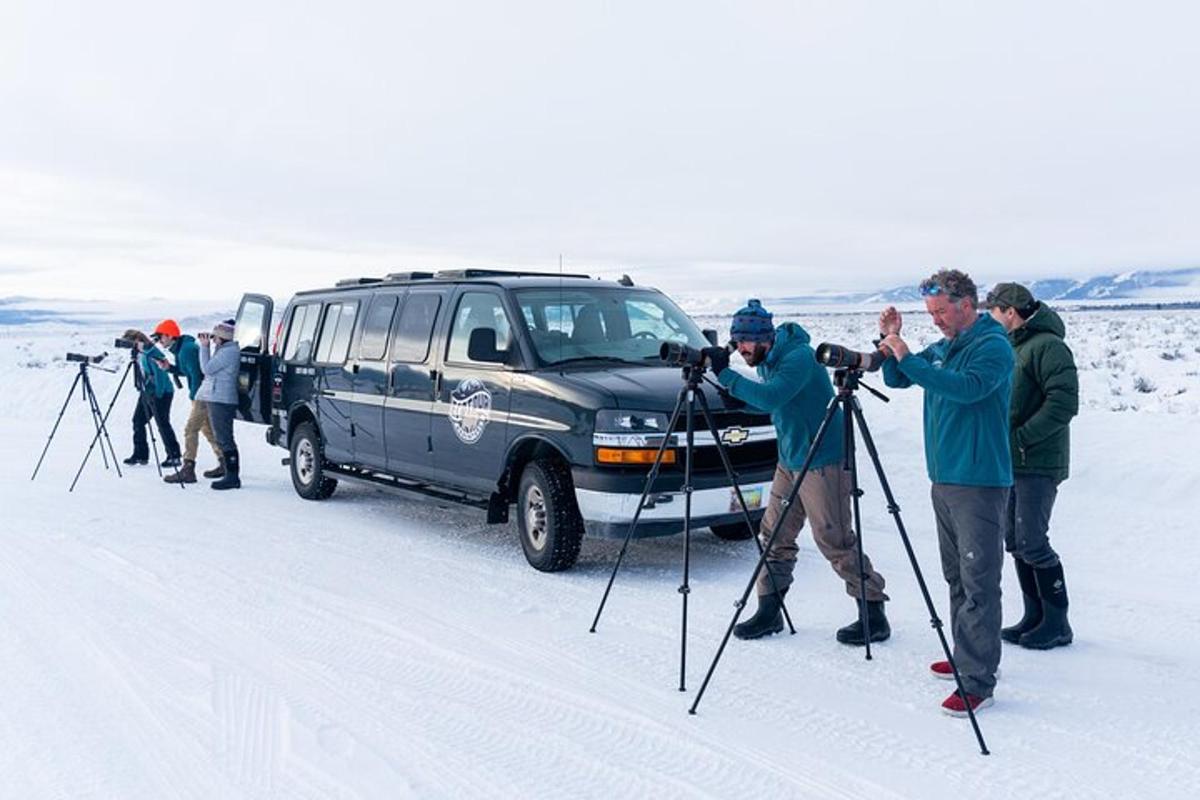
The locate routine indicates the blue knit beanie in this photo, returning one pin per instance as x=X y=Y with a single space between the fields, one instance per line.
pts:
x=752 y=324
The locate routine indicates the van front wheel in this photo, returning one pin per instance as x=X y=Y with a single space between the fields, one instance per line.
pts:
x=548 y=518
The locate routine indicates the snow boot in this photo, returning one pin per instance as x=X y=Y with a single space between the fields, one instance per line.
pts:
x=232 y=467
x=216 y=472
x=1054 y=631
x=1033 y=604
x=186 y=474
x=766 y=621
x=135 y=460
x=852 y=634
x=171 y=462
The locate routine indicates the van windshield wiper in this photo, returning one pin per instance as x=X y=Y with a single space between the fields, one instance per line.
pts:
x=594 y=359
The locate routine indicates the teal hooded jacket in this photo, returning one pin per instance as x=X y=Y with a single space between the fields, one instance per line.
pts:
x=968 y=384
x=795 y=390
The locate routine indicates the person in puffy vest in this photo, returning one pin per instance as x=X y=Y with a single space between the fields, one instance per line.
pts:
x=967 y=378
x=155 y=394
x=220 y=360
x=795 y=390
x=1045 y=396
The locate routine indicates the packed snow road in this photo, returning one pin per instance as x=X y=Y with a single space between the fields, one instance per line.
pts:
x=159 y=642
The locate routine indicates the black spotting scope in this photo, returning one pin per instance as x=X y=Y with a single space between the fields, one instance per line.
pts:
x=838 y=357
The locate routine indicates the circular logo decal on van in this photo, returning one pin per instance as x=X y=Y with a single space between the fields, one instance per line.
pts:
x=470 y=410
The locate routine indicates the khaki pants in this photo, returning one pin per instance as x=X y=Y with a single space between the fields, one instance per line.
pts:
x=824 y=500
x=197 y=423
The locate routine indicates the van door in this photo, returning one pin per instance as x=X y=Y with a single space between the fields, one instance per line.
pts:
x=408 y=412
x=252 y=333
x=335 y=380
x=470 y=423
x=370 y=370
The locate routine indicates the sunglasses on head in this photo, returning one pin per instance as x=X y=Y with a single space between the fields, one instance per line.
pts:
x=931 y=289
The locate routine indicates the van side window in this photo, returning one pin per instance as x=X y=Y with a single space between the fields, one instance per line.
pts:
x=302 y=332
x=377 y=324
x=478 y=310
x=414 y=328
x=334 y=344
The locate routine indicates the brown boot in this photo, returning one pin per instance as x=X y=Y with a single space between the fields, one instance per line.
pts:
x=216 y=472
x=186 y=474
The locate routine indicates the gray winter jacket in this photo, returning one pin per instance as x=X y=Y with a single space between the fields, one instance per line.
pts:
x=220 y=374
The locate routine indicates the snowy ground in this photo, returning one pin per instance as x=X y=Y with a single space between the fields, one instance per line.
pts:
x=158 y=642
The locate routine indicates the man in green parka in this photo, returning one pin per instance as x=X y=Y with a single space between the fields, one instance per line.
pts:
x=1045 y=396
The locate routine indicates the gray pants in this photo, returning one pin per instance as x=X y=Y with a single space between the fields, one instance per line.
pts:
x=1027 y=523
x=221 y=416
x=970 y=541
x=824 y=501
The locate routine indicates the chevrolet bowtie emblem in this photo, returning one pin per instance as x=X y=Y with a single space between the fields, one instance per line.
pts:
x=734 y=436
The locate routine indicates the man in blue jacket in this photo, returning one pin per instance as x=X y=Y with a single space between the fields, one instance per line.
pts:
x=967 y=377
x=187 y=363
x=795 y=390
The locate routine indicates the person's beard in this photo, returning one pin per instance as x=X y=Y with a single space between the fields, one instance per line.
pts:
x=757 y=356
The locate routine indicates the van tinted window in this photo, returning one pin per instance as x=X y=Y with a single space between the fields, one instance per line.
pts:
x=414 y=328
x=376 y=326
x=478 y=310
x=302 y=332
x=334 y=344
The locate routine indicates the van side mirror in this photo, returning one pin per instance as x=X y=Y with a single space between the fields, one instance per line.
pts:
x=711 y=335
x=482 y=347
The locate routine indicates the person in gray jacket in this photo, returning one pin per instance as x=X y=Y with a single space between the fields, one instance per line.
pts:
x=220 y=358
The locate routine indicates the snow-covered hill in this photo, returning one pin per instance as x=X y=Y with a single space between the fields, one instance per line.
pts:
x=165 y=642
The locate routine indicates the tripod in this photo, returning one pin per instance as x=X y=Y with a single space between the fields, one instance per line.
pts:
x=88 y=395
x=685 y=404
x=847 y=381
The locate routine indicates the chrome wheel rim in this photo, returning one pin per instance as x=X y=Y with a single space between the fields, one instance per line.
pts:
x=535 y=518
x=306 y=461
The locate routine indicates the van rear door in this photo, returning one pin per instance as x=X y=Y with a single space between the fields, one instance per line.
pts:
x=253 y=335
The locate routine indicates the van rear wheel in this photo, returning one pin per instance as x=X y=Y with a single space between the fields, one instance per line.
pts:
x=548 y=518
x=308 y=464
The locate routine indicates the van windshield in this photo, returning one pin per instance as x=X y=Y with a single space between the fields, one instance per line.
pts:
x=600 y=324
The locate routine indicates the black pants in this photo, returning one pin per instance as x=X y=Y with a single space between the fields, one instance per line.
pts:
x=221 y=416
x=160 y=409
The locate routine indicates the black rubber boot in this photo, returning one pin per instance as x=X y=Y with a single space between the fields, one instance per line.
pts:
x=232 y=467
x=881 y=631
x=1033 y=604
x=1054 y=631
x=135 y=460
x=766 y=621
x=171 y=462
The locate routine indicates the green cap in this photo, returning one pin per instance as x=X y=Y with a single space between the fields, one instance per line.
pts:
x=1011 y=295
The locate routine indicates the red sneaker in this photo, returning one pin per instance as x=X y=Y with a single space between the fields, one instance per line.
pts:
x=954 y=706
x=941 y=669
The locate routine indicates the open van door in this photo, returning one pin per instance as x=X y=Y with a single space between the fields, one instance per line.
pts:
x=253 y=335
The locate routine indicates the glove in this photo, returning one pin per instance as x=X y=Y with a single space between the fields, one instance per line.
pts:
x=718 y=359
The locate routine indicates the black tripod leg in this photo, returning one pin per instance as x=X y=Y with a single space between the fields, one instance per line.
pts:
x=98 y=421
x=851 y=464
x=685 y=588
x=934 y=620
x=54 y=430
x=104 y=430
x=762 y=559
x=637 y=514
x=151 y=421
x=737 y=490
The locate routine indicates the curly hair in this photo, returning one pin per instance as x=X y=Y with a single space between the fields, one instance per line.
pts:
x=955 y=284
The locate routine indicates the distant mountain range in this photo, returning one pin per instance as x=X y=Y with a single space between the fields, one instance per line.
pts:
x=1175 y=284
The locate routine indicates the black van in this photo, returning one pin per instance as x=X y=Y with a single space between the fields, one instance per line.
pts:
x=493 y=388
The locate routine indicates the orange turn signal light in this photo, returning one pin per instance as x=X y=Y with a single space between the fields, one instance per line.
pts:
x=628 y=455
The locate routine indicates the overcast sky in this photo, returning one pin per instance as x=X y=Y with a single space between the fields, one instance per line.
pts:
x=205 y=149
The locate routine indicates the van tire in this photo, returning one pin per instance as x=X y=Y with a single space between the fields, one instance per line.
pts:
x=734 y=531
x=548 y=520
x=308 y=464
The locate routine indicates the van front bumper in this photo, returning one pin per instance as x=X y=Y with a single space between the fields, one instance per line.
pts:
x=609 y=513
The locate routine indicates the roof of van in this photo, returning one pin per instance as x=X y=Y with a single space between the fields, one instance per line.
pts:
x=506 y=278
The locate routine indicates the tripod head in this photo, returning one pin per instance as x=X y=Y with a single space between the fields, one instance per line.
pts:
x=849 y=379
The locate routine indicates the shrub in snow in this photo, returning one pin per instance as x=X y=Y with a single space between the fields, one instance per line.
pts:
x=1143 y=384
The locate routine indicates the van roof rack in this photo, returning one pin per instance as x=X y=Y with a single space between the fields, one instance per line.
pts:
x=408 y=276
x=460 y=274
x=358 y=281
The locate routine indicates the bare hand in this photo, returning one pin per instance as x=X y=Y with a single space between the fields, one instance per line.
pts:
x=202 y=338
x=889 y=322
x=895 y=346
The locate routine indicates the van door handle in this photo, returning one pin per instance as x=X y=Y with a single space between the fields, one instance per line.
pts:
x=433 y=375
x=327 y=393
x=354 y=368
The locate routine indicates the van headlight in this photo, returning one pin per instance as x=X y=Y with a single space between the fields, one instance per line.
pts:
x=614 y=420
x=630 y=437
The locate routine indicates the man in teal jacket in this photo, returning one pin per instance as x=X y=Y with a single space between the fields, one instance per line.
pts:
x=1045 y=396
x=187 y=363
x=795 y=390
x=967 y=377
